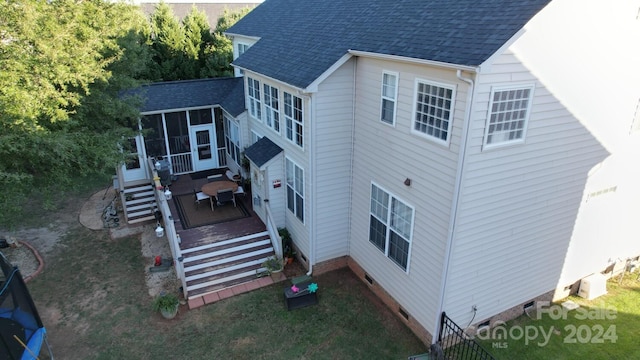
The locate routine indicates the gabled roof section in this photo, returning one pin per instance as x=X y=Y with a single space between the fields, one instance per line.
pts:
x=226 y=92
x=301 y=39
x=262 y=151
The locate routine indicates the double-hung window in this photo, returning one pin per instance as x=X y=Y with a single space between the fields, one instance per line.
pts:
x=434 y=110
x=508 y=115
x=295 y=189
x=254 y=98
x=293 y=118
x=242 y=48
x=389 y=94
x=390 y=226
x=271 y=112
x=232 y=139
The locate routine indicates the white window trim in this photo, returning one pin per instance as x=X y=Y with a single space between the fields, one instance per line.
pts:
x=251 y=98
x=294 y=121
x=270 y=110
x=451 y=87
x=395 y=97
x=413 y=225
x=255 y=135
x=495 y=89
x=227 y=133
x=237 y=48
x=304 y=201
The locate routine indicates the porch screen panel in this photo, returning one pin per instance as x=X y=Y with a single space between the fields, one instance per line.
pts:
x=153 y=132
x=200 y=117
x=178 y=132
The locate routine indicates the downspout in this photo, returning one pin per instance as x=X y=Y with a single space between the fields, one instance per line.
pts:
x=312 y=208
x=455 y=201
x=353 y=147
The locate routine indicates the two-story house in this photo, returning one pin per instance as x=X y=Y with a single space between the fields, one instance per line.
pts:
x=456 y=155
x=470 y=157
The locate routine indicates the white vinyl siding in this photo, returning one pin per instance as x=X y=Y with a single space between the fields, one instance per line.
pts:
x=508 y=115
x=390 y=226
x=386 y=156
x=635 y=123
x=295 y=189
x=255 y=107
x=518 y=205
x=271 y=108
x=433 y=112
x=389 y=94
x=333 y=103
x=294 y=119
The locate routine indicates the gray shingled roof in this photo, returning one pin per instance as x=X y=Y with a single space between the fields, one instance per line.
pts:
x=262 y=151
x=301 y=39
x=226 y=92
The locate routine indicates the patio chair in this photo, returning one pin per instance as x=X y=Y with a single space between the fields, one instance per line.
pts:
x=225 y=196
x=199 y=196
x=212 y=178
x=239 y=191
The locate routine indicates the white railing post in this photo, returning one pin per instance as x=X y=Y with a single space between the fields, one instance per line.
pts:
x=272 y=228
x=172 y=237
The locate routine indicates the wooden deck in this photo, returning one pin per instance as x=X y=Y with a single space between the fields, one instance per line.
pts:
x=221 y=256
x=207 y=234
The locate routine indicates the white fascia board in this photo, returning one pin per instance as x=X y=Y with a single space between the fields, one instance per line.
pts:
x=486 y=65
x=246 y=71
x=413 y=60
x=137 y=2
x=233 y=35
x=313 y=87
x=212 y=106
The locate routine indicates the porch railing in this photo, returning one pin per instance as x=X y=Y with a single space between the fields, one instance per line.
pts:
x=181 y=163
x=222 y=156
x=453 y=343
x=169 y=227
x=272 y=229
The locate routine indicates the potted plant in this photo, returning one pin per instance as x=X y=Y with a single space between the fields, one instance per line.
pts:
x=287 y=245
x=167 y=304
x=273 y=265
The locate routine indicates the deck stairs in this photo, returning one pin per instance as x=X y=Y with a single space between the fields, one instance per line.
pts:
x=139 y=203
x=215 y=266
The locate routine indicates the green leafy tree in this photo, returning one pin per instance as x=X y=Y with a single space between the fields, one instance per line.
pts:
x=168 y=43
x=61 y=112
x=188 y=49
x=219 y=54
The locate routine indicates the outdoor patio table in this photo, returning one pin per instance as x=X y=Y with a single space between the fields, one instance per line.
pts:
x=212 y=188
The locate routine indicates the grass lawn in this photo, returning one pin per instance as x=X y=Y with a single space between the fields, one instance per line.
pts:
x=95 y=304
x=603 y=328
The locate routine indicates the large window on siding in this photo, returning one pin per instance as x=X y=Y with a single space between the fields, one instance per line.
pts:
x=232 y=139
x=390 y=226
x=389 y=92
x=255 y=109
x=293 y=118
x=295 y=189
x=434 y=110
x=508 y=115
x=271 y=109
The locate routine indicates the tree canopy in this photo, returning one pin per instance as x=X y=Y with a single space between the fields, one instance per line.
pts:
x=64 y=66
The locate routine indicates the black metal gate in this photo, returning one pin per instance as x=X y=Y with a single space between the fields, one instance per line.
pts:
x=453 y=343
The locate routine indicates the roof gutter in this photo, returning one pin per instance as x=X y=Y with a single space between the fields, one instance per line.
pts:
x=406 y=59
x=456 y=198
